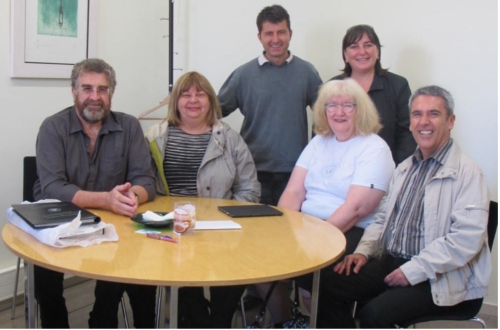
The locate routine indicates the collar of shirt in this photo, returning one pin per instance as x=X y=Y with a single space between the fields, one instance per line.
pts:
x=263 y=60
x=439 y=155
x=109 y=124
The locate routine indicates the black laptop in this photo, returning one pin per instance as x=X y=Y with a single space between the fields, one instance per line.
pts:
x=243 y=211
x=47 y=215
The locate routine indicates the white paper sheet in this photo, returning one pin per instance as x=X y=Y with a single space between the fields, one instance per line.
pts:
x=216 y=225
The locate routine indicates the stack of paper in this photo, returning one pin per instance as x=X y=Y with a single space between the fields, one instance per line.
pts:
x=68 y=234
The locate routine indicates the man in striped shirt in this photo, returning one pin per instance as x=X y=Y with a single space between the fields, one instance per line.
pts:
x=427 y=250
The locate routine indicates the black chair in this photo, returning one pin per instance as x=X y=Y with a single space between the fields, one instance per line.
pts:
x=30 y=176
x=464 y=311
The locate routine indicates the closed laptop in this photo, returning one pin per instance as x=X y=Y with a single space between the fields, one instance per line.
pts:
x=47 y=215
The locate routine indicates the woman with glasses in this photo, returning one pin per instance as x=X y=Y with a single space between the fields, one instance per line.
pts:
x=196 y=154
x=341 y=175
x=390 y=92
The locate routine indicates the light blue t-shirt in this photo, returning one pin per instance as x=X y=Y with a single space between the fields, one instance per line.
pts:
x=333 y=166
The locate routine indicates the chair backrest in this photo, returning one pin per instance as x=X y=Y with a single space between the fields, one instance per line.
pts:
x=492 y=222
x=30 y=176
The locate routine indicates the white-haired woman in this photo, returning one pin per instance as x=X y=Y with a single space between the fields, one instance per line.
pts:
x=340 y=177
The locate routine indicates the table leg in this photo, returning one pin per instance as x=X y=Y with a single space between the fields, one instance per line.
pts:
x=174 y=302
x=160 y=307
x=314 y=300
x=29 y=295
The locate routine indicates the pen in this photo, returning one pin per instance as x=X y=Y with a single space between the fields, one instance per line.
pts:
x=162 y=237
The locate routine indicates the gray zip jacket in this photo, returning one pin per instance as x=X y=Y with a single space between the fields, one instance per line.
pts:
x=227 y=170
x=456 y=258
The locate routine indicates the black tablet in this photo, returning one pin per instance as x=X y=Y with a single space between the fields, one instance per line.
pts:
x=243 y=211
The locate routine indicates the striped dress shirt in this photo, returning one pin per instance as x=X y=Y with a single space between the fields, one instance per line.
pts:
x=404 y=236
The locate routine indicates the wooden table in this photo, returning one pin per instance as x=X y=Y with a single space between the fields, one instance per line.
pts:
x=266 y=249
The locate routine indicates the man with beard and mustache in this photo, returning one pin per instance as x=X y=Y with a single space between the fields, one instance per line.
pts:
x=95 y=158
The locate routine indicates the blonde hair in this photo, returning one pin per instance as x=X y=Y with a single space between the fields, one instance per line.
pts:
x=367 y=119
x=184 y=83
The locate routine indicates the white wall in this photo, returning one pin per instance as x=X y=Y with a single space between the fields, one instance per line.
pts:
x=448 y=42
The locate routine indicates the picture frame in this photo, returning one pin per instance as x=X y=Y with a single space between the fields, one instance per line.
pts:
x=21 y=67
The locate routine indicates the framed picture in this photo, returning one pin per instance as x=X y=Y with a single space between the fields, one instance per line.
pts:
x=49 y=36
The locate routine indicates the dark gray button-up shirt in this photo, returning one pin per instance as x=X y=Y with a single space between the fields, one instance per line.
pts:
x=64 y=165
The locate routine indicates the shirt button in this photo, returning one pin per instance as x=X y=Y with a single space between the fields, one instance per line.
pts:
x=218 y=132
x=208 y=188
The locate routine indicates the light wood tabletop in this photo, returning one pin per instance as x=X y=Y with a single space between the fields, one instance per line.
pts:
x=265 y=249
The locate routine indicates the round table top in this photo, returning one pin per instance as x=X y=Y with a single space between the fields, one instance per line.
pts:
x=265 y=249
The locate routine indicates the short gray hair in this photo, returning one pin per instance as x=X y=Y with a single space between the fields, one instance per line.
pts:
x=433 y=90
x=93 y=65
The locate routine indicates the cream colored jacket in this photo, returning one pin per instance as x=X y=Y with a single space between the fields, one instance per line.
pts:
x=456 y=258
x=227 y=170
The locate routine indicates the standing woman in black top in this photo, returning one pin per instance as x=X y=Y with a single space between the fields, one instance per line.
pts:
x=389 y=92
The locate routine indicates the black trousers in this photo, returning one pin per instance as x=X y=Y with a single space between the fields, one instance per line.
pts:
x=193 y=307
x=352 y=236
x=49 y=295
x=386 y=306
x=272 y=186
x=107 y=298
x=53 y=313
x=223 y=303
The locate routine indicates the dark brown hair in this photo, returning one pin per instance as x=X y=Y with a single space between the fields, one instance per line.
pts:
x=273 y=14
x=352 y=35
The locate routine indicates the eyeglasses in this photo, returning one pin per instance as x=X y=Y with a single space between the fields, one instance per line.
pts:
x=347 y=107
x=101 y=90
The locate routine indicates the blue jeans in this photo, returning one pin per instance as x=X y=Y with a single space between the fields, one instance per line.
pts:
x=272 y=186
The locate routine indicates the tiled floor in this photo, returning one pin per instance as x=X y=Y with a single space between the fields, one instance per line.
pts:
x=80 y=297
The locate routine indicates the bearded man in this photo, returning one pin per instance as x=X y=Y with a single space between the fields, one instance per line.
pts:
x=95 y=158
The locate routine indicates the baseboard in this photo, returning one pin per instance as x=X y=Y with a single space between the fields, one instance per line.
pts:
x=7 y=281
x=491 y=310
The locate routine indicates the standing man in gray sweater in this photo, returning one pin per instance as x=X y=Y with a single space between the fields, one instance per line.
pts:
x=272 y=92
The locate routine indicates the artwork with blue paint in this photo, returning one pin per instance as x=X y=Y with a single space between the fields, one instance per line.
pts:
x=58 y=18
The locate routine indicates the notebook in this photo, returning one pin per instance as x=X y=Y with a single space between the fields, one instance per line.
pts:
x=241 y=211
x=47 y=215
